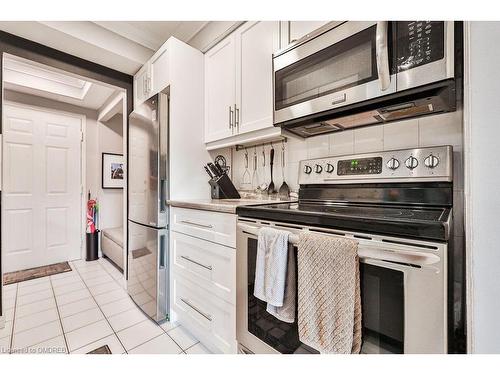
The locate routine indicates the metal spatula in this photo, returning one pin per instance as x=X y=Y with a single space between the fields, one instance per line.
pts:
x=284 y=192
x=270 y=188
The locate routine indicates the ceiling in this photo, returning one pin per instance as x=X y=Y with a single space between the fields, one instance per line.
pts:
x=121 y=45
x=27 y=77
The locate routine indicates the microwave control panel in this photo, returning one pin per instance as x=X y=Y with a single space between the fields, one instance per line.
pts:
x=419 y=43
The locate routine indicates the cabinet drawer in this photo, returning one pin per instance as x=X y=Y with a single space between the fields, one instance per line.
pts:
x=212 y=226
x=211 y=319
x=211 y=266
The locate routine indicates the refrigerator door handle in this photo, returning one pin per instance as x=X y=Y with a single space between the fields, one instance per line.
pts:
x=162 y=252
x=163 y=195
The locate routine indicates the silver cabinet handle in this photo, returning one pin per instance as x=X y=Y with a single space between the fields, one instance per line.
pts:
x=382 y=54
x=197 y=263
x=205 y=315
x=195 y=224
x=230 y=117
x=236 y=117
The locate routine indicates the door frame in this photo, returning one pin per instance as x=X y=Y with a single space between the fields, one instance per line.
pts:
x=83 y=158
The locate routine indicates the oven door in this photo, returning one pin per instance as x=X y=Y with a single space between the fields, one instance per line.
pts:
x=425 y=52
x=347 y=64
x=403 y=306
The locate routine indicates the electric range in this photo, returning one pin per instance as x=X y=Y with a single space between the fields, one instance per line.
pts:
x=398 y=206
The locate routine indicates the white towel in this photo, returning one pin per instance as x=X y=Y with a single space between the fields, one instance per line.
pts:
x=271 y=266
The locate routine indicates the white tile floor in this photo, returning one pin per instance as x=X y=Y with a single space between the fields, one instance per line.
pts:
x=82 y=310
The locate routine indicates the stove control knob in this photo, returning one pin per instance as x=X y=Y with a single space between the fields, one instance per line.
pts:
x=307 y=169
x=329 y=168
x=318 y=168
x=411 y=162
x=431 y=161
x=393 y=164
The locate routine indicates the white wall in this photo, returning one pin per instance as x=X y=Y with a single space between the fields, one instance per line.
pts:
x=483 y=184
x=110 y=140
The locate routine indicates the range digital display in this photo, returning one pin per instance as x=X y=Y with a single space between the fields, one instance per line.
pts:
x=363 y=166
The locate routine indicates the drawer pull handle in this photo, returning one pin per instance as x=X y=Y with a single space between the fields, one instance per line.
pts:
x=206 y=316
x=195 y=262
x=196 y=224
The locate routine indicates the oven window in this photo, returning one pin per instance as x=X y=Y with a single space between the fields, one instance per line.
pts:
x=350 y=62
x=283 y=337
x=382 y=293
x=382 y=304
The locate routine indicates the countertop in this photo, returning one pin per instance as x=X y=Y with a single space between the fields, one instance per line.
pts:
x=223 y=205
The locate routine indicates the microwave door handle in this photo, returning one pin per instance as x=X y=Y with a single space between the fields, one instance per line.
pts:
x=382 y=53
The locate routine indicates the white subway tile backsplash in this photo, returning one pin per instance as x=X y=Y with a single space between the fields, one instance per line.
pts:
x=342 y=143
x=443 y=129
x=401 y=134
x=296 y=150
x=369 y=139
x=318 y=147
x=434 y=130
x=292 y=176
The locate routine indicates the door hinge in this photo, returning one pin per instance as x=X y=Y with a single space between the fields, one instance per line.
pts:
x=81 y=136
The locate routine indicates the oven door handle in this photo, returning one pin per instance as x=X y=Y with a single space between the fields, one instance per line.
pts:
x=382 y=54
x=409 y=257
x=381 y=252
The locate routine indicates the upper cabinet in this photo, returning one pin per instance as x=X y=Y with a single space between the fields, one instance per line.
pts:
x=255 y=44
x=142 y=84
x=220 y=90
x=153 y=77
x=294 y=30
x=238 y=81
x=160 y=69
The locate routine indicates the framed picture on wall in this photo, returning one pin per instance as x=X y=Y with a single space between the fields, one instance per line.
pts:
x=112 y=171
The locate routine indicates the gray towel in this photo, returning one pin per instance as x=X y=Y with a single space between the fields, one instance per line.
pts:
x=329 y=299
x=271 y=266
x=286 y=313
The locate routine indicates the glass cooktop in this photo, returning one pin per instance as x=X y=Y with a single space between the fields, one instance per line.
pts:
x=361 y=211
x=407 y=221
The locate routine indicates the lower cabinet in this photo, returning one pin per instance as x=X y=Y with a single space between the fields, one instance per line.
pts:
x=203 y=277
x=211 y=319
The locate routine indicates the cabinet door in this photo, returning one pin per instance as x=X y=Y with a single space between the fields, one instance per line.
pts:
x=298 y=29
x=255 y=44
x=220 y=90
x=160 y=70
x=141 y=85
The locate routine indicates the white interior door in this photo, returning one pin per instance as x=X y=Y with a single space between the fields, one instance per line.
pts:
x=41 y=197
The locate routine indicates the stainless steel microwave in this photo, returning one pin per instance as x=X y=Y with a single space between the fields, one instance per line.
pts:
x=347 y=63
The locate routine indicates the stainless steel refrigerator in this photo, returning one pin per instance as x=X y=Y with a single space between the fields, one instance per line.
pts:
x=148 y=266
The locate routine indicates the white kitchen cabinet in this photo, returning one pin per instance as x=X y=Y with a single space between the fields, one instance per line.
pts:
x=211 y=319
x=220 y=73
x=255 y=44
x=159 y=69
x=216 y=227
x=142 y=84
x=238 y=82
x=203 y=287
x=298 y=29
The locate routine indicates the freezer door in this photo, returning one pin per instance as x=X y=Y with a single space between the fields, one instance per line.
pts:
x=147 y=169
x=148 y=270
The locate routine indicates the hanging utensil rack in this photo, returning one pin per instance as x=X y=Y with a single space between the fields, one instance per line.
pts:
x=253 y=145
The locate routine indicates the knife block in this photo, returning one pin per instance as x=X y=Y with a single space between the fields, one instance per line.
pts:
x=223 y=188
